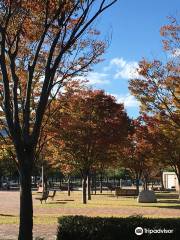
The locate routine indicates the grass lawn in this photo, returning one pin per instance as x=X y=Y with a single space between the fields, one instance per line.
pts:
x=104 y=205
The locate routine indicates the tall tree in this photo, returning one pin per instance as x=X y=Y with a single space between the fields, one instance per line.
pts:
x=158 y=90
x=137 y=155
x=89 y=123
x=158 y=87
x=42 y=44
x=166 y=144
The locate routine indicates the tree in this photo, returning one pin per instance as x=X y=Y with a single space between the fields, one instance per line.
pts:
x=158 y=87
x=89 y=123
x=158 y=90
x=166 y=144
x=42 y=44
x=169 y=148
x=7 y=155
x=7 y=165
x=138 y=155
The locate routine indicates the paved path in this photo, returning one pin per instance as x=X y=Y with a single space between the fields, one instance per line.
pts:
x=9 y=206
x=10 y=232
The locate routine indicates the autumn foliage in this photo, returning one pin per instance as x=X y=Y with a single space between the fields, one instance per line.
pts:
x=158 y=87
x=42 y=45
x=87 y=125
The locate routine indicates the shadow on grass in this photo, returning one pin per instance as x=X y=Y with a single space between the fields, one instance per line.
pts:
x=123 y=197
x=177 y=206
x=103 y=194
x=167 y=196
x=170 y=201
x=7 y=215
x=56 y=202
x=65 y=200
x=170 y=207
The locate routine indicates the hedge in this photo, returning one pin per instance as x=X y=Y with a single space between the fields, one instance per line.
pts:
x=88 y=228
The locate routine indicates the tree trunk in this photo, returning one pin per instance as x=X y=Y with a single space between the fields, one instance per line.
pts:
x=69 y=187
x=137 y=185
x=26 y=205
x=146 y=183
x=89 y=186
x=162 y=183
x=84 y=187
x=95 y=183
x=119 y=182
x=152 y=184
x=101 y=183
x=60 y=182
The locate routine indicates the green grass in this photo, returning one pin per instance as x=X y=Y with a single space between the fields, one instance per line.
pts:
x=44 y=219
x=104 y=201
x=43 y=214
x=9 y=219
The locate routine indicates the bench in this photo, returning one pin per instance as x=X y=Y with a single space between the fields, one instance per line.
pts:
x=125 y=192
x=53 y=195
x=44 y=196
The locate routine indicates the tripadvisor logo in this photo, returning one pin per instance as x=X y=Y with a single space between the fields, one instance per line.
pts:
x=139 y=231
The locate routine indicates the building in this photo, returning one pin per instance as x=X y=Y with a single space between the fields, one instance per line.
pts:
x=170 y=180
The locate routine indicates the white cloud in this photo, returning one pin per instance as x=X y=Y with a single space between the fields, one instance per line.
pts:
x=118 y=68
x=127 y=99
x=118 y=62
x=97 y=78
x=125 y=69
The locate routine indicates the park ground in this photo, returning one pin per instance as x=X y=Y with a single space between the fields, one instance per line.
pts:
x=106 y=204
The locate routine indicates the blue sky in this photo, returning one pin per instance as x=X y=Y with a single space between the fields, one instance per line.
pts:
x=135 y=26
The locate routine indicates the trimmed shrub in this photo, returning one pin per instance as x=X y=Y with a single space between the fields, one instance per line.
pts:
x=88 y=228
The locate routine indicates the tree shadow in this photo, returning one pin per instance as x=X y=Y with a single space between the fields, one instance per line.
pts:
x=123 y=197
x=65 y=200
x=168 y=196
x=170 y=207
x=7 y=215
x=103 y=194
x=170 y=201
x=56 y=202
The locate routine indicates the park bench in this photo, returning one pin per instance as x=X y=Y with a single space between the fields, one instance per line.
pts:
x=44 y=196
x=125 y=192
x=53 y=195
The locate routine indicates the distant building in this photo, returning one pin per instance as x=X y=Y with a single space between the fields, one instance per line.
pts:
x=170 y=180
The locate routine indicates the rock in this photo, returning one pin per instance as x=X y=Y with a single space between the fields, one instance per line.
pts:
x=147 y=196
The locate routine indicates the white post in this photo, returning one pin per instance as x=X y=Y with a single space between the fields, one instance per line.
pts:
x=120 y=183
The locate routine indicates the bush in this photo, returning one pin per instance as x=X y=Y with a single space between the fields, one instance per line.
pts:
x=87 y=228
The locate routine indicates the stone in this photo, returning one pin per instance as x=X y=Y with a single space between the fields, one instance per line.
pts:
x=147 y=196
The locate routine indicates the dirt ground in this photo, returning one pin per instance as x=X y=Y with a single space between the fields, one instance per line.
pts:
x=106 y=205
